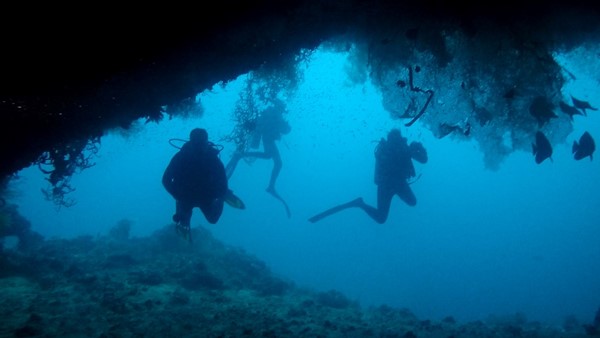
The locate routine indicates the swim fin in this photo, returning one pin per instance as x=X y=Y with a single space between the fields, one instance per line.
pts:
x=352 y=204
x=285 y=205
x=233 y=200
x=184 y=231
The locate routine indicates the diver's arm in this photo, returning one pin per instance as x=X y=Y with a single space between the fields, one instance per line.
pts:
x=285 y=127
x=418 y=152
x=168 y=175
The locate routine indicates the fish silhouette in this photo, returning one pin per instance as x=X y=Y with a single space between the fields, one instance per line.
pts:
x=569 y=110
x=584 y=148
x=583 y=105
x=541 y=148
x=541 y=109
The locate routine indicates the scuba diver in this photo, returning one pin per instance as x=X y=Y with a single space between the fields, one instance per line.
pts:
x=270 y=126
x=195 y=177
x=393 y=169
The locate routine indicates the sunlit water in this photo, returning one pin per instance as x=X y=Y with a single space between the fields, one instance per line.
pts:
x=522 y=239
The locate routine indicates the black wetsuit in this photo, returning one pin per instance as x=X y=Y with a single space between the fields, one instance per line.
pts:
x=195 y=177
x=393 y=169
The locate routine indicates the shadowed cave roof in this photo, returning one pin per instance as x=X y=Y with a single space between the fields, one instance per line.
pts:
x=67 y=78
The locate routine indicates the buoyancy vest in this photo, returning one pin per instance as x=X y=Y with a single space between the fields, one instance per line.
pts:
x=393 y=162
x=198 y=174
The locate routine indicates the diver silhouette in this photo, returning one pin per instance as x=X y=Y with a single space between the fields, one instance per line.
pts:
x=270 y=126
x=393 y=169
x=196 y=177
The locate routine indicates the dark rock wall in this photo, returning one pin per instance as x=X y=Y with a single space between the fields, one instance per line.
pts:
x=71 y=74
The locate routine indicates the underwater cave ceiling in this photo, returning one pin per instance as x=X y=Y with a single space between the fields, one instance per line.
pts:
x=66 y=80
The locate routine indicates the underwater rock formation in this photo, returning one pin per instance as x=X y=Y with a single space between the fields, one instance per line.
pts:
x=60 y=89
x=162 y=286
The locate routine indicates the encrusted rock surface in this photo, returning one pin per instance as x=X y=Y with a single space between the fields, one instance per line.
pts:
x=163 y=286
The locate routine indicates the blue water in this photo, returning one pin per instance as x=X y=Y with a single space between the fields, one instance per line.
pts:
x=521 y=239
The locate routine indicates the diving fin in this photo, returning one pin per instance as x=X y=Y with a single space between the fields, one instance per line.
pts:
x=233 y=200
x=184 y=231
x=285 y=205
x=352 y=204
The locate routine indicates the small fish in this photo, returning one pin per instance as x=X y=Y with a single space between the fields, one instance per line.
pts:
x=541 y=109
x=569 y=110
x=541 y=148
x=585 y=147
x=445 y=129
x=583 y=105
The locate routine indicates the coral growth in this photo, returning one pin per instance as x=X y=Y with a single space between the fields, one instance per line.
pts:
x=99 y=287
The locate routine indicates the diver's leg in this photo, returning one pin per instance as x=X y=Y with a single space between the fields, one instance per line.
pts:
x=277 y=164
x=273 y=152
x=183 y=213
x=384 y=200
x=232 y=164
x=355 y=203
x=212 y=210
x=406 y=194
x=182 y=218
x=269 y=149
x=258 y=154
x=237 y=156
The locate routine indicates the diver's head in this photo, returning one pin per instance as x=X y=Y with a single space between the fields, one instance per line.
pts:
x=279 y=105
x=275 y=110
x=199 y=136
x=394 y=135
